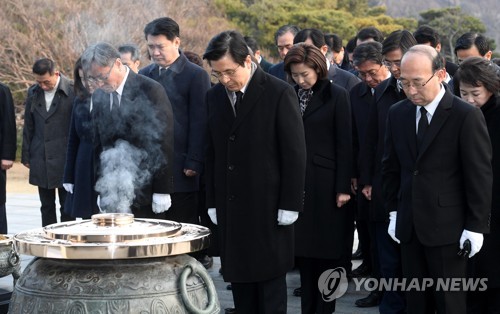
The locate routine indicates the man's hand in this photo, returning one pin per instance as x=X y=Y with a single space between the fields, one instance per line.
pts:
x=476 y=241
x=392 y=226
x=212 y=213
x=68 y=187
x=354 y=186
x=287 y=217
x=189 y=173
x=342 y=199
x=7 y=164
x=161 y=203
x=367 y=192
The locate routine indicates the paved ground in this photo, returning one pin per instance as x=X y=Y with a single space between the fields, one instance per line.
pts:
x=23 y=213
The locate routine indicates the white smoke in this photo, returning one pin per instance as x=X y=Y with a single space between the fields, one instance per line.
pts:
x=121 y=173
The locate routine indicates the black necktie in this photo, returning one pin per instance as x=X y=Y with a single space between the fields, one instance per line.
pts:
x=423 y=123
x=239 y=96
x=116 y=102
x=162 y=70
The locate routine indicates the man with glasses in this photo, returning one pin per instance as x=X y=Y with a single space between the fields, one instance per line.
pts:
x=387 y=94
x=436 y=179
x=284 y=41
x=367 y=60
x=256 y=160
x=47 y=118
x=133 y=120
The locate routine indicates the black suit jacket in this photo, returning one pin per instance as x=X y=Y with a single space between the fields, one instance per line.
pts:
x=145 y=121
x=255 y=166
x=265 y=65
x=342 y=78
x=372 y=150
x=446 y=188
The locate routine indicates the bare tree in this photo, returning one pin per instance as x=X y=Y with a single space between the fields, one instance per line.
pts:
x=62 y=29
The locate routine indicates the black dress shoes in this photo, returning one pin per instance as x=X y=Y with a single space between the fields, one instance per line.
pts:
x=206 y=261
x=373 y=299
x=229 y=287
x=362 y=271
x=297 y=292
x=230 y=310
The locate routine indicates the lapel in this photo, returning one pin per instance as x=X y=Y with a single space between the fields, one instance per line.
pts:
x=438 y=119
x=409 y=124
x=130 y=90
x=252 y=95
x=317 y=100
x=225 y=104
x=38 y=104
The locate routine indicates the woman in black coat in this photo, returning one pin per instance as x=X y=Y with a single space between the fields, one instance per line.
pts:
x=319 y=231
x=79 y=177
x=479 y=84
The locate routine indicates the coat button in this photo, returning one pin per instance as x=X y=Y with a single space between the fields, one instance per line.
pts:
x=232 y=138
x=230 y=167
x=415 y=173
x=231 y=197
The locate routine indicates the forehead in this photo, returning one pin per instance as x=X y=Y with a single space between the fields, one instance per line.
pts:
x=368 y=65
x=286 y=38
x=44 y=77
x=125 y=56
x=394 y=55
x=415 y=65
x=223 y=64
x=158 y=39
x=471 y=52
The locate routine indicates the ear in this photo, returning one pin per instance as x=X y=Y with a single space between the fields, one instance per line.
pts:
x=256 y=54
x=487 y=56
x=248 y=61
x=324 y=49
x=438 y=47
x=177 y=42
x=441 y=74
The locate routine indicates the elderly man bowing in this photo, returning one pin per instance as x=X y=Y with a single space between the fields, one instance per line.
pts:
x=437 y=180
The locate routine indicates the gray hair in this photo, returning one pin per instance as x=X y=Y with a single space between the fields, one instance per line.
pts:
x=101 y=54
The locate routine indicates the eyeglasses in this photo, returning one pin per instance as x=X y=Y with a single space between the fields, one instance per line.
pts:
x=389 y=64
x=370 y=73
x=403 y=84
x=101 y=79
x=227 y=73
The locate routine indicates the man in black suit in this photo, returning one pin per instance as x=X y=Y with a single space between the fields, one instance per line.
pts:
x=255 y=176
x=426 y=35
x=8 y=147
x=368 y=62
x=284 y=41
x=252 y=44
x=436 y=178
x=133 y=130
x=186 y=85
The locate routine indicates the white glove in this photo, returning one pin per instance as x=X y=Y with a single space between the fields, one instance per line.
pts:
x=392 y=226
x=161 y=203
x=68 y=187
x=212 y=213
x=98 y=201
x=287 y=217
x=476 y=241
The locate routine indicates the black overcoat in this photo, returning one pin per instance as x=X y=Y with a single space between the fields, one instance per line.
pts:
x=45 y=134
x=255 y=166
x=320 y=229
x=8 y=135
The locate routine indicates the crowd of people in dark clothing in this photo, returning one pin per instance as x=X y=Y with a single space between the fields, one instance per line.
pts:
x=283 y=162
